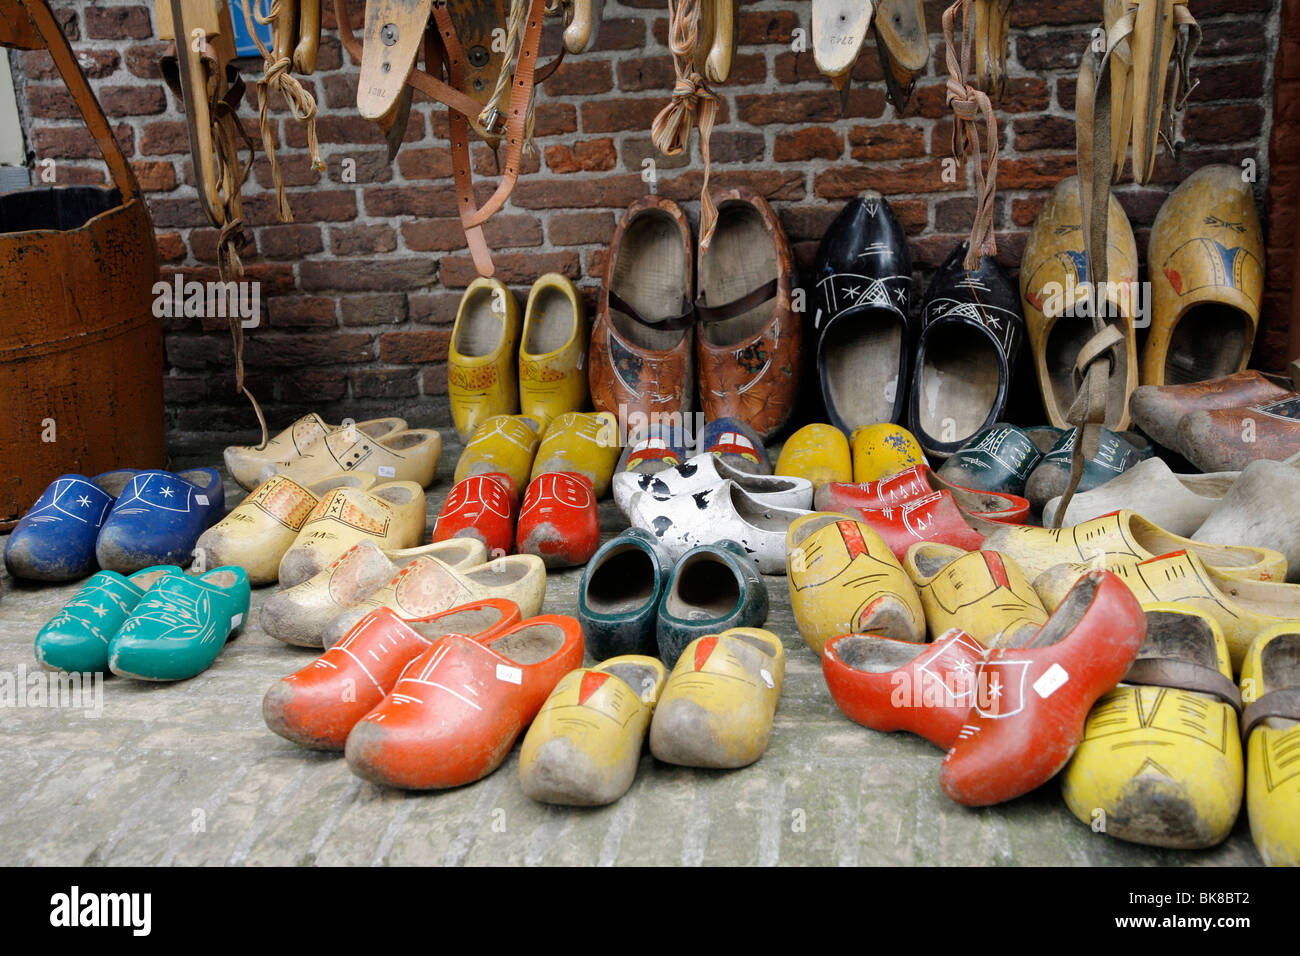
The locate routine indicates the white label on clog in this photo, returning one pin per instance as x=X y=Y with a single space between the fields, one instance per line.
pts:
x=767 y=678
x=201 y=499
x=1053 y=679
x=235 y=621
x=386 y=471
x=511 y=675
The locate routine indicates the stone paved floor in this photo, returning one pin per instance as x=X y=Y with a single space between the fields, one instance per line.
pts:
x=188 y=774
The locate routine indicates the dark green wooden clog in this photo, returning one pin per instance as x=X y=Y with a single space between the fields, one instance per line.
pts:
x=1000 y=458
x=618 y=600
x=714 y=587
x=1117 y=452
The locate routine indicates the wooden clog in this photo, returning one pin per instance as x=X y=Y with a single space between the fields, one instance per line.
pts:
x=55 y=540
x=982 y=593
x=482 y=370
x=407 y=455
x=1160 y=758
x=883 y=450
x=1260 y=510
x=1000 y=459
x=1207 y=279
x=157 y=519
x=1270 y=682
x=301 y=614
x=717 y=707
x=580 y=442
x=553 y=350
x=839 y=29
x=247 y=462
x=713 y=587
x=391 y=515
x=932 y=517
x=502 y=443
x=736 y=443
x=317 y=705
x=1117 y=452
x=818 y=453
x=1159 y=409
x=844 y=580
x=1229 y=439
x=265 y=525
x=652 y=449
x=558 y=520
x=483 y=508
x=705 y=472
x=618 y=598
x=917 y=482
x=584 y=746
x=903 y=46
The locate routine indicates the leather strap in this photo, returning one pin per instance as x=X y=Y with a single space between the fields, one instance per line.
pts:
x=683 y=320
x=1276 y=703
x=969 y=104
x=1184 y=675
x=729 y=310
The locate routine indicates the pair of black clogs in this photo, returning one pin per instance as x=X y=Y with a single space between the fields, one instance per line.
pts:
x=948 y=371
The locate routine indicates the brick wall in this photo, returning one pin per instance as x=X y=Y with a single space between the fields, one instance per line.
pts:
x=364 y=285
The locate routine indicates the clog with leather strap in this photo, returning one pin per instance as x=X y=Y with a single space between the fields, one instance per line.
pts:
x=1270 y=682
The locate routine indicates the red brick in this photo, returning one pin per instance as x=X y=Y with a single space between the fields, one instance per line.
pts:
x=96 y=64
x=917 y=177
x=502 y=231
x=51 y=102
x=414 y=347
x=362 y=240
x=313 y=386
x=646 y=73
x=551 y=119
x=613 y=116
x=295 y=170
x=1043 y=132
x=581 y=228
x=811 y=142
x=886 y=141
x=319 y=205
x=65 y=142
x=274 y=350
x=1054 y=51
x=619 y=34
x=487 y=163
x=801 y=68
x=171 y=247
x=767 y=26
x=637 y=149
x=289 y=240
x=580 y=77
x=132 y=100
x=385 y=308
x=301 y=312
x=785 y=185
x=430 y=163
x=164 y=138
x=1223 y=124
x=184 y=389
x=728 y=147
x=604 y=191
x=155 y=177
x=364 y=275
x=586 y=156
x=385 y=383
x=118 y=23
x=1242 y=80
x=761 y=109
x=433 y=308
x=1039 y=172
x=142 y=59
x=388 y=201
x=518 y=267
x=433 y=380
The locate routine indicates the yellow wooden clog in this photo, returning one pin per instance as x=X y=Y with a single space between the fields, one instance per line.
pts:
x=819 y=453
x=582 y=442
x=247 y=462
x=504 y=443
x=584 y=745
x=553 y=355
x=844 y=580
x=265 y=525
x=717 y=707
x=410 y=454
x=482 y=376
x=983 y=593
x=1270 y=688
x=883 y=450
x=391 y=515
x=1241 y=608
x=1119 y=537
x=1160 y=760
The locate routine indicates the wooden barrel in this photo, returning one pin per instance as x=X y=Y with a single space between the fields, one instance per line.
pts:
x=80 y=348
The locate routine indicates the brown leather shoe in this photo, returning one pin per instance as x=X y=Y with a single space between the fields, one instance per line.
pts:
x=748 y=337
x=1229 y=439
x=1159 y=409
x=642 y=353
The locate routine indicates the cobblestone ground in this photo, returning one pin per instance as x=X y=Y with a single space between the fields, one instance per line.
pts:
x=188 y=774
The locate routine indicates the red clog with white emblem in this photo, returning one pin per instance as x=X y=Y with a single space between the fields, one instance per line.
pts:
x=317 y=706
x=917 y=482
x=885 y=684
x=481 y=507
x=558 y=521
x=932 y=517
x=458 y=707
x=1031 y=702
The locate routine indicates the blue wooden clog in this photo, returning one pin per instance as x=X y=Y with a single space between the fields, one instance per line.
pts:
x=55 y=540
x=737 y=444
x=618 y=600
x=713 y=588
x=158 y=519
x=180 y=625
x=76 y=639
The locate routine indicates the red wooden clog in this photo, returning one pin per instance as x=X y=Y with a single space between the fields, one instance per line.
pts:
x=458 y=707
x=1031 y=701
x=558 y=521
x=317 y=706
x=481 y=507
x=917 y=482
x=886 y=684
x=932 y=517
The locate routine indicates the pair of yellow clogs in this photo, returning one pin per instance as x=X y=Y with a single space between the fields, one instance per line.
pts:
x=524 y=448
x=497 y=367
x=715 y=710
x=822 y=454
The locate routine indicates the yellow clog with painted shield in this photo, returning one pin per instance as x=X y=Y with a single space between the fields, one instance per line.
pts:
x=584 y=745
x=983 y=593
x=1270 y=689
x=1160 y=761
x=553 y=354
x=503 y=443
x=883 y=450
x=582 y=442
x=717 y=707
x=482 y=375
x=844 y=580
x=819 y=453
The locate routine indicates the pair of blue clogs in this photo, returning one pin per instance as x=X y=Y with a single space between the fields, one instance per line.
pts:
x=158 y=624
x=122 y=521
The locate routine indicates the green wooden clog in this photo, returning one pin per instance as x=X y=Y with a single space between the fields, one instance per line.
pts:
x=1000 y=458
x=714 y=587
x=618 y=600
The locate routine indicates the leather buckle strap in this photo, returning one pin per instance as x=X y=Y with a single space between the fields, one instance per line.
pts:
x=1184 y=675
x=1276 y=703
x=729 y=310
x=672 y=323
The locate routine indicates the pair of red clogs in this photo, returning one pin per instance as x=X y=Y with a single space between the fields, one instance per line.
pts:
x=1010 y=717
x=557 y=521
x=427 y=704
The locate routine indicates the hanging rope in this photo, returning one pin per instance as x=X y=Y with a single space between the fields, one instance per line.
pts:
x=276 y=74
x=692 y=104
x=969 y=105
